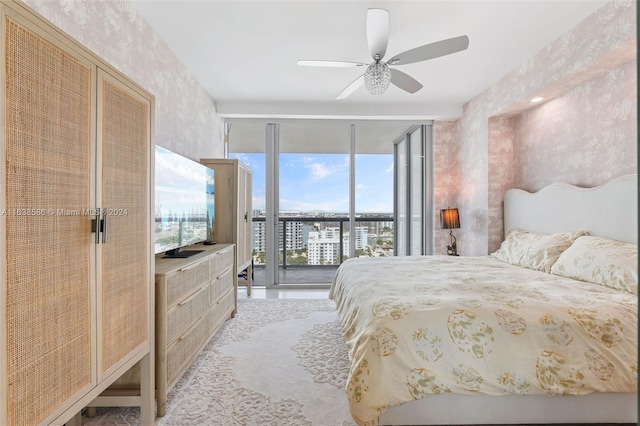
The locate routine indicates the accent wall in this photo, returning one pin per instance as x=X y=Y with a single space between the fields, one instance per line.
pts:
x=584 y=133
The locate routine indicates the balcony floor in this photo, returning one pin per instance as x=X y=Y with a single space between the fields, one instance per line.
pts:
x=296 y=275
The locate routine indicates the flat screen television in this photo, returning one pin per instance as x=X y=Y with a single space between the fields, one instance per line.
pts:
x=184 y=203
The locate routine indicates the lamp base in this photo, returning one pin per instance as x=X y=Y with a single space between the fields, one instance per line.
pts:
x=452 y=250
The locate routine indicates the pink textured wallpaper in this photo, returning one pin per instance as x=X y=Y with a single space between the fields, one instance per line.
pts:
x=502 y=159
x=582 y=137
x=585 y=135
x=445 y=178
x=186 y=120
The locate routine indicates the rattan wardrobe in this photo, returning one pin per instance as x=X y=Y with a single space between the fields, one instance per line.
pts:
x=76 y=265
x=233 y=214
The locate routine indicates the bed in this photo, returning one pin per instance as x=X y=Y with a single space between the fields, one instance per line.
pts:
x=544 y=330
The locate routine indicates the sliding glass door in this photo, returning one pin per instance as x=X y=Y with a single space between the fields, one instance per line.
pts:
x=323 y=193
x=413 y=192
x=313 y=180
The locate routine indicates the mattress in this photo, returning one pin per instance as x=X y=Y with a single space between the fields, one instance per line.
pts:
x=424 y=326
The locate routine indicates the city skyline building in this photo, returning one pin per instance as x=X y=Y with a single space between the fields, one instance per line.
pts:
x=294 y=236
x=323 y=247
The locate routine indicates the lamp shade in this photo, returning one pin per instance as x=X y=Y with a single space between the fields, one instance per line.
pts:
x=449 y=219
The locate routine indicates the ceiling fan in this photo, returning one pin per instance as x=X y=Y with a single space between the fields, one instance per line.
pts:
x=378 y=74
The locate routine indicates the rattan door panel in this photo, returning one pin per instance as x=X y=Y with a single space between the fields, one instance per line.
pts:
x=243 y=216
x=48 y=188
x=245 y=227
x=123 y=140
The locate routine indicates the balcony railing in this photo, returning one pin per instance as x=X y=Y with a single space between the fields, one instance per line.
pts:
x=380 y=234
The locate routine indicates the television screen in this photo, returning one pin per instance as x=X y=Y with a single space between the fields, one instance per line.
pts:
x=184 y=201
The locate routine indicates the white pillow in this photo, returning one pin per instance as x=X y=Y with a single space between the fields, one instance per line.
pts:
x=602 y=261
x=534 y=250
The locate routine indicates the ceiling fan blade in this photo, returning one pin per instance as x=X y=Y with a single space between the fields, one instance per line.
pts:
x=333 y=64
x=377 y=32
x=355 y=85
x=430 y=51
x=405 y=81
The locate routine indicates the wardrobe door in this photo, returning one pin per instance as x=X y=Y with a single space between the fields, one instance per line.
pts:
x=243 y=215
x=248 y=208
x=124 y=257
x=47 y=245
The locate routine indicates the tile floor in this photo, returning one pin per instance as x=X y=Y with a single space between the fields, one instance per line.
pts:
x=320 y=274
x=283 y=293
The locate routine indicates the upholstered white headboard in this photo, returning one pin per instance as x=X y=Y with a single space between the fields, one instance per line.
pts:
x=609 y=210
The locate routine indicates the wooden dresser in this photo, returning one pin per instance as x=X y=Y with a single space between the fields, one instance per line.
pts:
x=194 y=296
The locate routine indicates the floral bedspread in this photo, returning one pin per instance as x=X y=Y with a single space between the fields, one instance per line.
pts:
x=422 y=326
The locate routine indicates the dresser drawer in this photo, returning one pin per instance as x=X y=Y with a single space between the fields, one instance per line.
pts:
x=184 y=348
x=186 y=281
x=182 y=316
x=222 y=260
x=221 y=310
x=220 y=285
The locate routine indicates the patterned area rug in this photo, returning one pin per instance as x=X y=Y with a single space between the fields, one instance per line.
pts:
x=278 y=362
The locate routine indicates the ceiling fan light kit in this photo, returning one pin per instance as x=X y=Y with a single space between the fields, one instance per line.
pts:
x=377 y=78
x=378 y=75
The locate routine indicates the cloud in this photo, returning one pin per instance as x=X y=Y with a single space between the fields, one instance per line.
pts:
x=318 y=170
x=323 y=169
x=340 y=205
x=310 y=183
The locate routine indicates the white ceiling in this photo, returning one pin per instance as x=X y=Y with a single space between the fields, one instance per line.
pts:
x=244 y=53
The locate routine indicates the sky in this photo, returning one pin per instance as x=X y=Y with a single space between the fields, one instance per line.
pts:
x=312 y=183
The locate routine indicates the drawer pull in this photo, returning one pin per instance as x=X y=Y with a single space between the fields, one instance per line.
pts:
x=190 y=298
x=221 y=252
x=189 y=267
x=223 y=274
x=189 y=330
